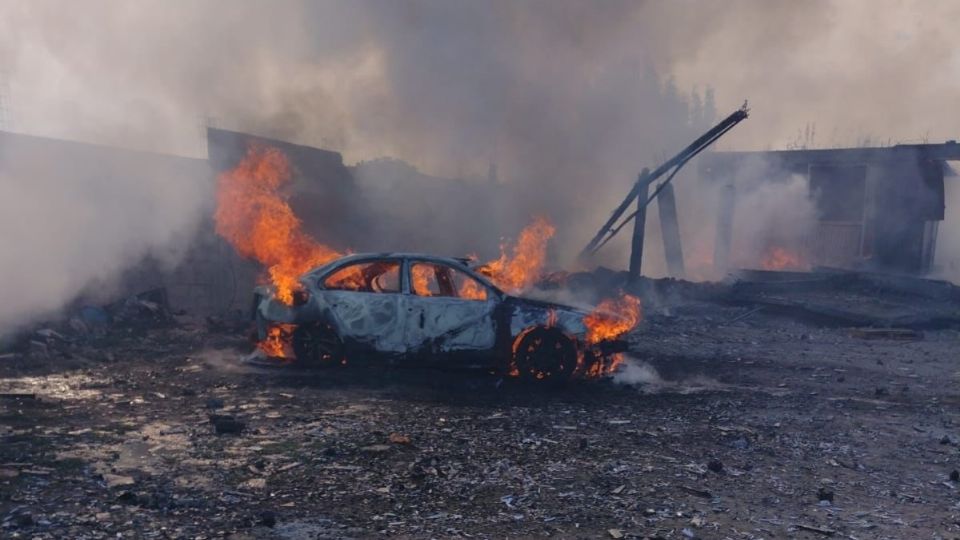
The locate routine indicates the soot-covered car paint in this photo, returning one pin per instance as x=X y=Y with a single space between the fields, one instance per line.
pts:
x=423 y=309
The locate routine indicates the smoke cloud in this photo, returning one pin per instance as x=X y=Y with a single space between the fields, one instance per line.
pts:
x=569 y=99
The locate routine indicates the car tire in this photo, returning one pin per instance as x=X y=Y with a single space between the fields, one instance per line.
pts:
x=317 y=345
x=543 y=354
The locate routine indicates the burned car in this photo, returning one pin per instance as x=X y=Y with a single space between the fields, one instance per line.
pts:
x=427 y=310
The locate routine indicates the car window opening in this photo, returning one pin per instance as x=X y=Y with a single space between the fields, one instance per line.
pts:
x=437 y=280
x=370 y=277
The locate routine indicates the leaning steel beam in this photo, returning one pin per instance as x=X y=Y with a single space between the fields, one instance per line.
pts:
x=675 y=162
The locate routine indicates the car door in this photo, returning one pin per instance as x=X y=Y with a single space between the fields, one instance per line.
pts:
x=364 y=298
x=446 y=310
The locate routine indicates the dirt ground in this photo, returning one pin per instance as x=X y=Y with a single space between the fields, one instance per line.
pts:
x=728 y=423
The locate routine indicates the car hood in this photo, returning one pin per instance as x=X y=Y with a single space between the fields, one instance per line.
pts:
x=527 y=312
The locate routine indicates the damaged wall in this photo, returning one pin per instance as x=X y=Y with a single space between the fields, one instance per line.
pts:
x=76 y=215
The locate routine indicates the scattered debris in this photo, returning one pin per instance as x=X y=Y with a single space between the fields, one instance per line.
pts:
x=224 y=423
x=116 y=480
x=397 y=438
x=123 y=429
x=818 y=530
x=902 y=334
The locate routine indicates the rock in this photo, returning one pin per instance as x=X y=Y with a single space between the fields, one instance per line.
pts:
x=268 y=519
x=214 y=403
x=825 y=494
x=715 y=465
x=224 y=423
x=615 y=533
x=127 y=497
x=398 y=438
x=254 y=483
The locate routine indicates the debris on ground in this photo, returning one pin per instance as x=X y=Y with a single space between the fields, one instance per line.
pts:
x=725 y=420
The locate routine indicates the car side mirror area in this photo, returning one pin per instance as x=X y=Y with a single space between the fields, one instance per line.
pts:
x=300 y=297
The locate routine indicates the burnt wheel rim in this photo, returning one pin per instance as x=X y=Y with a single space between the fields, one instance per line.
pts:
x=317 y=346
x=545 y=354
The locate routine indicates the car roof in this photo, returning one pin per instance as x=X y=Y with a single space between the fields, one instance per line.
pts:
x=400 y=255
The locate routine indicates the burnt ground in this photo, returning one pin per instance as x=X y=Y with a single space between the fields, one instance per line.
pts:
x=736 y=424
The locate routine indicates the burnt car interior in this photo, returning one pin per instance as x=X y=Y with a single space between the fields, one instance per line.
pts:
x=371 y=277
x=432 y=279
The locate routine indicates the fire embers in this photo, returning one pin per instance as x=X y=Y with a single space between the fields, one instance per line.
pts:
x=253 y=215
x=546 y=352
x=278 y=343
x=780 y=258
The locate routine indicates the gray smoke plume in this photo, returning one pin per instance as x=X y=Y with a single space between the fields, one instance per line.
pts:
x=569 y=99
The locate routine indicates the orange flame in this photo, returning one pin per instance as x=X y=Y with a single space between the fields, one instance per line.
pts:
x=778 y=258
x=612 y=318
x=277 y=342
x=420 y=280
x=521 y=270
x=257 y=221
x=471 y=290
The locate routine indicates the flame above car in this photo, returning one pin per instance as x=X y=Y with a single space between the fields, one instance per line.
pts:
x=253 y=215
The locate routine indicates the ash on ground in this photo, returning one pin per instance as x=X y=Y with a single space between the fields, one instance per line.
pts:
x=742 y=413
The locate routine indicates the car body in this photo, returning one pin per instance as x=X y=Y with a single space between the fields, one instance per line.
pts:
x=411 y=308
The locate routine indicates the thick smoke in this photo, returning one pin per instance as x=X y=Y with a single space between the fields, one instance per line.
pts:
x=569 y=99
x=73 y=224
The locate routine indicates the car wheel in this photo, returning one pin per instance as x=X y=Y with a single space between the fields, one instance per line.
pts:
x=545 y=354
x=317 y=345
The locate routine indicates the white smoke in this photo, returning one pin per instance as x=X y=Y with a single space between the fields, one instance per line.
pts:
x=635 y=372
x=570 y=99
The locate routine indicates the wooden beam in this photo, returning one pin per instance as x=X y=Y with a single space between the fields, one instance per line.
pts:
x=670 y=229
x=721 y=248
x=639 y=226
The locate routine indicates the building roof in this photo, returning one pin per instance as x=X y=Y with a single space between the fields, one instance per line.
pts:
x=718 y=162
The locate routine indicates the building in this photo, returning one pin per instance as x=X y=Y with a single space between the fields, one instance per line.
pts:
x=877 y=208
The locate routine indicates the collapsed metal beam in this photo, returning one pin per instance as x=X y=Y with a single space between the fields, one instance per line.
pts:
x=676 y=162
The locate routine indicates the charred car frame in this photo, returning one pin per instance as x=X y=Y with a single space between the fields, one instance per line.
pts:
x=426 y=310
